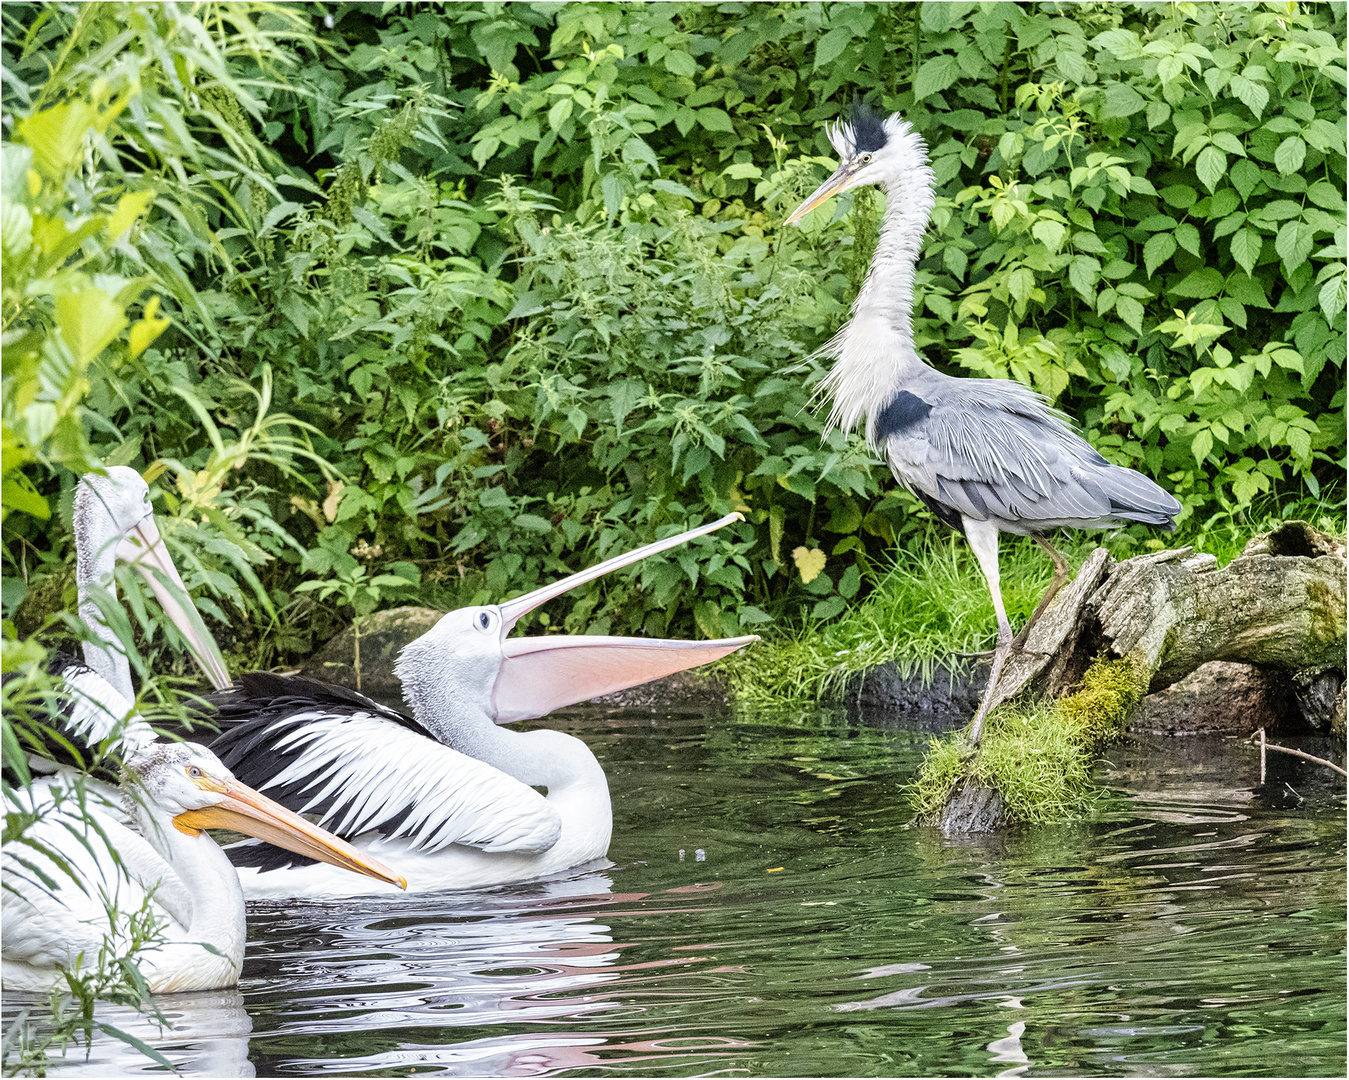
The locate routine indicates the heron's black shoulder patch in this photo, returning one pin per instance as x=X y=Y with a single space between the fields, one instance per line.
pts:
x=868 y=131
x=902 y=412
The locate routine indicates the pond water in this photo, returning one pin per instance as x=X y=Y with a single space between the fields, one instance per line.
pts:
x=769 y=912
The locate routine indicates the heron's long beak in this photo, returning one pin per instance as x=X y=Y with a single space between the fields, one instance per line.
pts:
x=540 y=674
x=247 y=811
x=143 y=548
x=840 y=181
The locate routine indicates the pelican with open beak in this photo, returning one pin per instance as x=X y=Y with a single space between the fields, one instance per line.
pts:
x=448 y=793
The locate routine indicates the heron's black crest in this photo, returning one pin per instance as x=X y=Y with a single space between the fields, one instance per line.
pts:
x=901 y=412
x=867 y=130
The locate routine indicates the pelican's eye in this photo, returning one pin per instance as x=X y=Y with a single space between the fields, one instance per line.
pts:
x=194 y=772
x=484 y=620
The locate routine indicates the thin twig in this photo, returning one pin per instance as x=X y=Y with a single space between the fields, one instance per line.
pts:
x=1299 y=753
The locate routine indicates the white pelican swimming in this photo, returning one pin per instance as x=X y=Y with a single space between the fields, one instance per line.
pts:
x=446 y=794
x=61 y=877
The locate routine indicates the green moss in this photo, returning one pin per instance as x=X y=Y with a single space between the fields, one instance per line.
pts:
x=1327 y=613
x=1040 y=759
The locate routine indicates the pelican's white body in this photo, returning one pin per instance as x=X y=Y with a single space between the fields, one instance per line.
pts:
x=196 y=897
x=453 y=800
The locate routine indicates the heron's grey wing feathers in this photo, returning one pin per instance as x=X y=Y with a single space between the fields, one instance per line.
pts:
x=992 y=449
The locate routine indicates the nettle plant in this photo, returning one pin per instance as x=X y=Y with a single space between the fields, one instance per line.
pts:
x=1159 y=243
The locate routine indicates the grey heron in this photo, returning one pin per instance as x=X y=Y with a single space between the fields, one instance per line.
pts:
x=985 y=455
x=448 y=794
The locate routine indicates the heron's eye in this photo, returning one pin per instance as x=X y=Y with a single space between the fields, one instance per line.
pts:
x=484 y=620
x=866 y=158
x=194 y=772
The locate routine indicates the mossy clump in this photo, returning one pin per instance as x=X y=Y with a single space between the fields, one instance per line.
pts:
x=1110 y=690
x=1039 y=758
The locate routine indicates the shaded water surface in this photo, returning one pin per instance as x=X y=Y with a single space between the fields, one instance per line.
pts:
x=769 y=912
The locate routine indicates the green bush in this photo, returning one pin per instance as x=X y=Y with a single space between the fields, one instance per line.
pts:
x=520 y=268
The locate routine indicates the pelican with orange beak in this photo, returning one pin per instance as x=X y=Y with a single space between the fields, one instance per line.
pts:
x=72 y=879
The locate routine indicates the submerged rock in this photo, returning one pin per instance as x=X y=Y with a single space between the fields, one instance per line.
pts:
x=946 y=699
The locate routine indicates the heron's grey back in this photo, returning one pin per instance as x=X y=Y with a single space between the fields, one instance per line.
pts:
x=990 y=449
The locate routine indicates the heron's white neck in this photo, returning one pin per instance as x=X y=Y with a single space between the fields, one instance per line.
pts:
x=95 y=559
x=874 y=352
x=216 y=916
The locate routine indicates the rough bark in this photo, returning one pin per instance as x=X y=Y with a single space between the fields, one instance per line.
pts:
x=1279 y=608
x=1172 y=611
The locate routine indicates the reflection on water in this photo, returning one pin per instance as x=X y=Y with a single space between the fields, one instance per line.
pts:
x=767 y=911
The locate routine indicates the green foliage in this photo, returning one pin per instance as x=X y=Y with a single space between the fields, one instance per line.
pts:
x=1140 y=213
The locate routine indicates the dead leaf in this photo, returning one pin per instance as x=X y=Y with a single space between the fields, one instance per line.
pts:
x=334 y=496
x=810 y=561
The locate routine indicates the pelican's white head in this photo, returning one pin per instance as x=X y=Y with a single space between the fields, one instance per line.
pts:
x=873 y=151
x=113 y=521
x=187 y=785
x=467 y=666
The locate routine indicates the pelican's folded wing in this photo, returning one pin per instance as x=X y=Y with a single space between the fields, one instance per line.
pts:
x=363 y=773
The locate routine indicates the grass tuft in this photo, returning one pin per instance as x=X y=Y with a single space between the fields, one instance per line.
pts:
x=932 y=602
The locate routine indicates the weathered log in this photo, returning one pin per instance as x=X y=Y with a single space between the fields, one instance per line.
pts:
x=1279 y=606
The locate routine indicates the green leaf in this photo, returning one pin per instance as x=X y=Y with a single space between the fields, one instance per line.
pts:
x=1181 y=196
x=1250 y=93
x=1199 y=284
x=1187 y=236
x=1332 y=298
x=533 y=523
x=1049 y=233
x=129 y=208
x=1246 y=245
x=1245 y=175
x=680 y=63
x=1157 y=250
x=57 y=136
x=935 y=76
x=715 y=120
x=1202 y=445
x=1121 y=99
x=1083 y=273
x=1294 y=244
x=18 y=493
x=828 y=608
x=672 y=187
x=829 y=47
x=88 y=321
x=611 y=188
x=1289 y=156
x=1130 y=312
x=1210 y=166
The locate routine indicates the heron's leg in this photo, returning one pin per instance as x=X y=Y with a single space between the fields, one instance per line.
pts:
x=1062 y=571
x=983 y=538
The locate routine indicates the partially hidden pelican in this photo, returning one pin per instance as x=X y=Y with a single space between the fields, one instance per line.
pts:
x=112 y=522
x=70 y=870
x=446 y=793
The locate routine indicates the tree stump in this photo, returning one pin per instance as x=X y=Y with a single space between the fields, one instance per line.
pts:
x=1280 y=605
